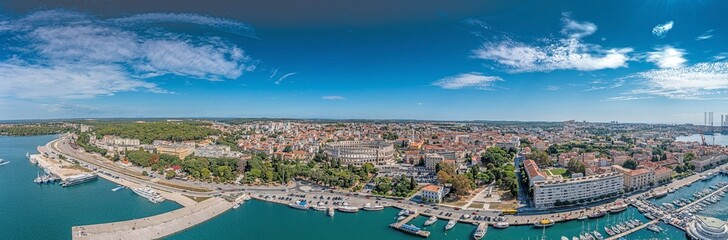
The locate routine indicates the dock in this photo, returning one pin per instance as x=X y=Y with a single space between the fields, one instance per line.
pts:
x=632 y=230
x=402 y=226
x=154 y=227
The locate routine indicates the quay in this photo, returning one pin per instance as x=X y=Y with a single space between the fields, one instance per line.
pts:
x=154 y=227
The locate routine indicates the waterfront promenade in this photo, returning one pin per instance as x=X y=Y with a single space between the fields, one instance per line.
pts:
x=154 y=227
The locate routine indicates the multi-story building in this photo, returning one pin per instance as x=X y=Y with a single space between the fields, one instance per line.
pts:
x=432 y=159
x=432 y=193
x=662 y=174
x=179 y=150
x=357 y=153
x=555 y=191
x=705 y=163
x=637 y=179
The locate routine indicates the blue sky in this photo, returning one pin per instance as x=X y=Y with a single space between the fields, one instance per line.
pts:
x=627 y=61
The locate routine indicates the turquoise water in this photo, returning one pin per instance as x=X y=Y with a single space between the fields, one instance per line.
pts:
x=264 y=220
x=31 y=211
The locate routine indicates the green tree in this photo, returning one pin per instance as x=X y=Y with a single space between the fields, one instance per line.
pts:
x=630 y=164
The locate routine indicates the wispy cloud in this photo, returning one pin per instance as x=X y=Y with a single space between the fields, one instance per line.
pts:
x=667 y=57
x=661 y=29
x=568 y=53
x=333 y=97
x=467 y=80
x=187 y=18
x=553 y=88
x=696 y=82
x=107 y=56
x=626 y=98
x=273 y=73
x=284 y=77
x=27 y=81
x=576 y=29
x=706 y=35
x=720 y=56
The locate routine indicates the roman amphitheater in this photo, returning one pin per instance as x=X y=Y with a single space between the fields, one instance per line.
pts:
x=357 y=153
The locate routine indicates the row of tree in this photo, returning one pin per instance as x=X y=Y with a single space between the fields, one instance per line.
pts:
x=147 y=132
x=34 y=129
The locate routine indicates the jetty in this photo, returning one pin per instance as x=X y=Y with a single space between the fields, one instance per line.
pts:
x=154 y=227
x=632 y=230
x=411 y=229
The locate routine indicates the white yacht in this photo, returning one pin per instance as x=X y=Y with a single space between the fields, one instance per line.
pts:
x=369 y=207
x=450 y=224
x=501 y=225
x=431 y=221
x=348 y=209
x=3 y=162
x=149 y=194
x=480 y=231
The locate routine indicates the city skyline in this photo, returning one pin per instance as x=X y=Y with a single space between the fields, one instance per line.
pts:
x=650 y=62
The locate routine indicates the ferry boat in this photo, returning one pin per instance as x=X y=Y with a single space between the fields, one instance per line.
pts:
x=430 y=221
x=544 y=223
x=480 y=231
x=501 y=225
x=301 y=204
x=348 y=209
x=331 y=211
x=149 y=194
x=78 y=179
x=3 y=162
x=450 y=224
x=369 y=207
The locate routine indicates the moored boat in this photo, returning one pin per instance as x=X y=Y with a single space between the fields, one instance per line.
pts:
x=301 y=204
x=544 y=223
x=348 y=209
x=450 y=224
x=370 y=207
x=501 y=225
x=431 y=221
x=480 y=231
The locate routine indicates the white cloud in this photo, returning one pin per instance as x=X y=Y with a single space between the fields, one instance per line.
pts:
x=188 y=18
x=57 y=43
x=67 y=82
x=181 y=58
x=667 y=57
x=575 y=29
x=661 y=29
x=553 y=88
x=699 y=81
x=467 y=80
x=333 y=98
x=284 y=77
x=568 y=53
x=560 y=55
x=720 y=56
x=706 y=35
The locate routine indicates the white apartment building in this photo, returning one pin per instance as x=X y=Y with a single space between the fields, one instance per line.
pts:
x=554 y=191
x=546 y=194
